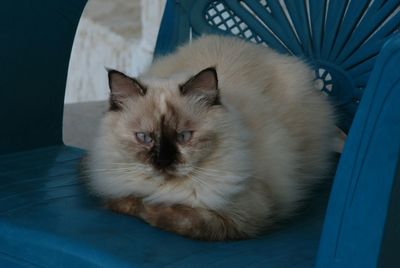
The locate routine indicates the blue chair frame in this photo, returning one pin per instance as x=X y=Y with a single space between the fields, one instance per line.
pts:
x=48 y=219
x=362 y=225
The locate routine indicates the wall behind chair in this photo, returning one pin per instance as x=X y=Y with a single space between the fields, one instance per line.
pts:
x=119 y=34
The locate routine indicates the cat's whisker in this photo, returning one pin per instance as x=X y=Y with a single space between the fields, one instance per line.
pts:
x=109 y=170
x=215 y=172
x=210 y=188
x=118 y=168
x=122 y=165
x=204 y=178
x=127 y=164
x=119 y=165
x=207 y=169
x=202 y=182
x=222 y=178
x=220 y=171
x=209 y=176
x=212 y=172
x=116 y=171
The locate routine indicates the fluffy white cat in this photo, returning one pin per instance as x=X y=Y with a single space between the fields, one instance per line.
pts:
x=220 y=140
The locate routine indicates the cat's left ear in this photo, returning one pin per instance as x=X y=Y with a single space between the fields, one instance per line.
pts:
x=123 y=87
x=203 y=85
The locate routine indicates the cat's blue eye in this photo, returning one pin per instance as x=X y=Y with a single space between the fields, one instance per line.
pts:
x=184 y=136
x=144 y=137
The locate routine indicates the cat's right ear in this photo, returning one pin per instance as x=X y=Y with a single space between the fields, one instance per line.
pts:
x=203 y=85
x=123 y=87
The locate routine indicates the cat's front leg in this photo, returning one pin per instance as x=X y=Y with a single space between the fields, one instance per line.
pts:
x=126 y=205
x=197 y=223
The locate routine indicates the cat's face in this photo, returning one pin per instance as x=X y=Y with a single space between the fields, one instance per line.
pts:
x=165 y=126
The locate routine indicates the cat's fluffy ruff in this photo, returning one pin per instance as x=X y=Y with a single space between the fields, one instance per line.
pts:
x=270 y=140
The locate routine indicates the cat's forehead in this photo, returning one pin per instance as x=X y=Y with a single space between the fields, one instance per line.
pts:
x=163 y=95
x=159 y=104
x=162 y=102
x=170 y=82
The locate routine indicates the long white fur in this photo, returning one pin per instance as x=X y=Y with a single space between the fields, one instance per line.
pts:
x=274 y=139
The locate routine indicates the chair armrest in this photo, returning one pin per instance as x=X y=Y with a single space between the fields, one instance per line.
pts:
x=359 y=229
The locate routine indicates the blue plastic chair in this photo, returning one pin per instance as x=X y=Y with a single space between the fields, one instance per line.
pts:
x=48 y=219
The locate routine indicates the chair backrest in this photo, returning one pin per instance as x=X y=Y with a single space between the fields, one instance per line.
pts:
x=339 y=38
x=35 y=44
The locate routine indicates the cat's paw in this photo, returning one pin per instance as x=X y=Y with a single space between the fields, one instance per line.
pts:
x=175 y=218
x=127 y=205
x=197 y=223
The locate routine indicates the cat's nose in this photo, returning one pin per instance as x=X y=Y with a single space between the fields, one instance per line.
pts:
x=165 y=153
x=162 y=163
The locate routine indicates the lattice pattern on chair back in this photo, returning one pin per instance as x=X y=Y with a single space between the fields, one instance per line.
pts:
x=220 y=16
x=340 y=38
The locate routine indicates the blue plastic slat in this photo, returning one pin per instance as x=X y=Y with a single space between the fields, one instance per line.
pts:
x=373 y=19
x=64 y=226
x=355 y=10
x=362 y=191
x=363 y=53
x=317 y=16
x=360 y=69
x=174 y=29
x=374 y=44
x=164 y=38
x=270 y=39
x=299 y=16
x=335 y=11
x=278 y=23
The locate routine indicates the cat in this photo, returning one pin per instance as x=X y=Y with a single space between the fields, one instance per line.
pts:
x=220 y=140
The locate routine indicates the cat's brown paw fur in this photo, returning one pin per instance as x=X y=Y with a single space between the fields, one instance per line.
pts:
x=176 y=218
x=197 y=223
x=126 y=205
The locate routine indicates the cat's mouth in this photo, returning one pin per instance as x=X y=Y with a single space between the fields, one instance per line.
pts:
x=167 y=172
x=172 y=173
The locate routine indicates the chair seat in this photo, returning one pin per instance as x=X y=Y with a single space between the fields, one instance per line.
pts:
x=48 y=219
